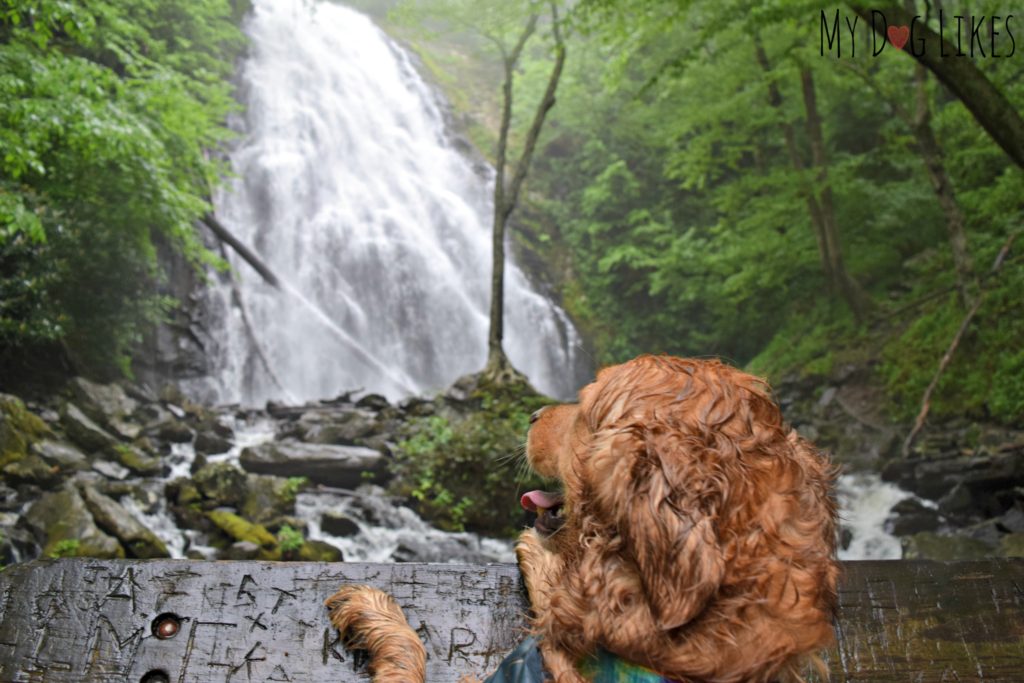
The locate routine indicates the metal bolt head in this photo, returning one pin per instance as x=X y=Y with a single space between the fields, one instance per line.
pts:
x=166 y=626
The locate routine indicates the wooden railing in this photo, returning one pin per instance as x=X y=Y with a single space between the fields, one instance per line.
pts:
x=156 y=621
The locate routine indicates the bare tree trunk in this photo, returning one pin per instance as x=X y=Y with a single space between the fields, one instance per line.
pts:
x=848 y=288
x=505 y=197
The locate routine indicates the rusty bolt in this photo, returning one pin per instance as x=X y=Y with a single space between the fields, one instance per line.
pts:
x=166 y=626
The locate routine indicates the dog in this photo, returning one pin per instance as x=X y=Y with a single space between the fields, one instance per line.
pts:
x=694 y=536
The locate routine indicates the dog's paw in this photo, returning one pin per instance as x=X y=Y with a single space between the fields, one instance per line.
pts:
x=370 y=619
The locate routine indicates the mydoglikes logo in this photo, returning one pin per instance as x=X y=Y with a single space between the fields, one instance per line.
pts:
x=959 y=35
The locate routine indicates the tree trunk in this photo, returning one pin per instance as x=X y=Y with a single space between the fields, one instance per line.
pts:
x=796 y=159
x=498 y=368
x=848 y=288
x=989 y=106
x=931 y=154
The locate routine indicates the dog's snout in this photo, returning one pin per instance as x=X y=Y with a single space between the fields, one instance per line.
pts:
x=536 y=415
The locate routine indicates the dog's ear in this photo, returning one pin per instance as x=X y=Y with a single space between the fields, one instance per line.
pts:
x=671 y=541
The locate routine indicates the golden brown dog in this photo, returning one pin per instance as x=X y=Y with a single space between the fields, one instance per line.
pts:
x=695 y=534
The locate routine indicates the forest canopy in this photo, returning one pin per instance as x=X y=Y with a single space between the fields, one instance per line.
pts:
x=726 y=183
x=111 y=115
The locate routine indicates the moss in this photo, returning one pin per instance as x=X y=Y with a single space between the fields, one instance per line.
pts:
x=19 y=428
x=239 y=529
x=137 y=461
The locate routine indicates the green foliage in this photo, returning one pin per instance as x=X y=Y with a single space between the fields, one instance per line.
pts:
x=67 y=547
x=107 y=113
x=289 y=540
x=292 y=486
x=666 y=173
x=468 y=473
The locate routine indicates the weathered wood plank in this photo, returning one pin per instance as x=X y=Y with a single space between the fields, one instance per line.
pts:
x=93 y=620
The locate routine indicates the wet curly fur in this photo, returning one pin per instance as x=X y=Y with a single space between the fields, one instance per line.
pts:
x=699 y=532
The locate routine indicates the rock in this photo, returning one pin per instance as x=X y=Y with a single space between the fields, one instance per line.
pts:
x=208 y=443
x=845 y=537
x=338 y=524
x=827 y=397
x=342 y=466
x=344 y=428
x=1012 y=545
x=63 y=526
x=239 y=529
x=267 y=499
x=1013 y=520
x=455 y=548
x=373 y=402
x=319 y=551
x=241 y=550
x=32 y=470
x=111 y=470
x=174 y=431
x=418 y=407
x=16 y=543
x=135 y=460
x=221 y=482
x=958 y=502
x=61 y=454
x=83 y=431
x=928 y=545
x=911 y=516
x=8 y=498
x=19 y=428
x=112 y=518
x=106 y=404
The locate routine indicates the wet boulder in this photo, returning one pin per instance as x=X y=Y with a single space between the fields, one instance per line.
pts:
x=61 y=454
x=83 y=431
x=113 y=518
x=342 y=466
x=107 y=405
x=222 y=483
x=338 y=524
x=62 y=525
x=135 y=460
x=268 y=499
x=32 y=470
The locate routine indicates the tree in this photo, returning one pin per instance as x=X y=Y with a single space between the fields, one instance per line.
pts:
x=508 y=27
x=108 y=111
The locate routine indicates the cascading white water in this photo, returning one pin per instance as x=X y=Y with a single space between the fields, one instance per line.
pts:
x=349 y=188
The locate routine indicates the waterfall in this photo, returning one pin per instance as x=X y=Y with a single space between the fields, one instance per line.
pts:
x=349 y=187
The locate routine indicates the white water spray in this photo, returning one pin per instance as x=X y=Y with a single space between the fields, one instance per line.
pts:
x=351 y=191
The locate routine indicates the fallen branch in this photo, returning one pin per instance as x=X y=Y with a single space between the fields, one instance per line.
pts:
x=926 y=400
x=225 y=235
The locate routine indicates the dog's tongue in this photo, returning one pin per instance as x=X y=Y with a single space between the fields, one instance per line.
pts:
x=532 y=500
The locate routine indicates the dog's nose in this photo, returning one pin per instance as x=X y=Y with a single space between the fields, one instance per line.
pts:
x=536 y=415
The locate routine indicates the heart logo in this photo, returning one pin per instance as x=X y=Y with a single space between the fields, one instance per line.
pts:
x=898 y=36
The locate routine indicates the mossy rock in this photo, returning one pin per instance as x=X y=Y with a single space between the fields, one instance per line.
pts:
x=63 y=526
x=238 y=529
x=32 y=470
x=222 y=482
x=19 y=428
x=135 y=460
x=268 y=498
x=319 y=551
x=1012 y=545
x=928 y=545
